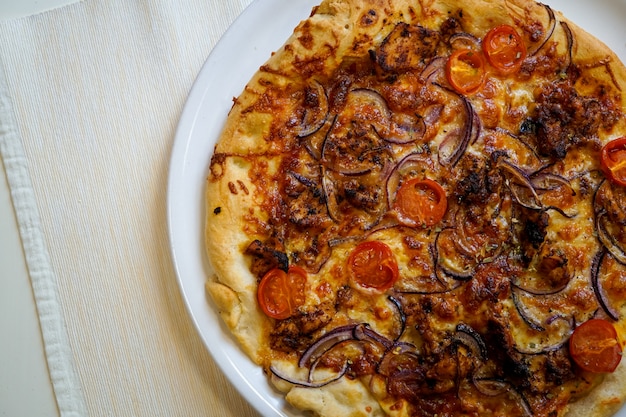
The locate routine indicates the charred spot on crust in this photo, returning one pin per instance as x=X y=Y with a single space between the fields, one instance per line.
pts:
x=369 y=18
x=217 y=210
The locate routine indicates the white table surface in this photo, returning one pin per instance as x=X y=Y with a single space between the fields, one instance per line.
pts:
x=25 y=388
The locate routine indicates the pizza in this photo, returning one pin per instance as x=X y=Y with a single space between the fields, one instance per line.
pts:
x=418 y=208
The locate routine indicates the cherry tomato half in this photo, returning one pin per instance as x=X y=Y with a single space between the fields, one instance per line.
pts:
x=465 y=71
x=373 y=265
x=280 y=293
x=613 y=160
x=421 y=202
x=504 y=48
x=594 y=346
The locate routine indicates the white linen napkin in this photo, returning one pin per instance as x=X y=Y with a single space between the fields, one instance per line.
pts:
x=90 y=96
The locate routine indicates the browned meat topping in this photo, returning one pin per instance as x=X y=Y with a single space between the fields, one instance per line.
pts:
x=563 y=118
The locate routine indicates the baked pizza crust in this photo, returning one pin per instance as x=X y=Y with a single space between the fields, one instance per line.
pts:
x=336 y=31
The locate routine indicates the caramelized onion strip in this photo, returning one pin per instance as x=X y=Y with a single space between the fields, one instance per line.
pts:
x=570 y=44
x=552 y=340
x=401 y=315
x=598 y=288
x=417 y=160
x=549 y=32
x=469 y=132
x=464 y=40
x=433 y=70
x=326 y=342
x=522 y=179
x=528 y=318
x=314 y=119
x=543 y=291
x=308 y=383
x=608 y=241
x=465 y=275
x=365 y=332
x=314 y=143
x=491 y=387
x=469 y=337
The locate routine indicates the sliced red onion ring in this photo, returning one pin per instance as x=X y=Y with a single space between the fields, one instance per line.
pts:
x=314 y=118
x=477 y=127
x=570 y=43
x=414 y=161
x=398 y=128
x=326 y=342
x=472 y=339
x=330 y=196
x=455 y=275
x=459 y=142
x=393 y=356
x=464 y=40
x=401 y=314
x=306 y=181
x=547 y=347
x=523 y=200
x=541 y=291
x=608 y=240
x=599 y=289
x=333 y=184
x=345 y=165
x=524 y=180
x=314 y=143
x=521 y=140
x=545 y=181
x=491 y=387
x=465 y=275
x=403 y=129
x=309 y=384
x=432 y=116
x=373 y=97
x=527 y=411
x=370 y=108
x=332 y=378
x=433 y=70
x=365 y=332
x=528 y=318
x=549 y=32
x=549 y=341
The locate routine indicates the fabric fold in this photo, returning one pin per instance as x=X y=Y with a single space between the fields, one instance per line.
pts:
x=61 y=366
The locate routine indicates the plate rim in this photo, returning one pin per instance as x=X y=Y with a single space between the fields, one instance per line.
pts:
x=242 y=373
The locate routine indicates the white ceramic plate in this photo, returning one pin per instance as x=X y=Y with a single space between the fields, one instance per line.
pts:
x=261 y=29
